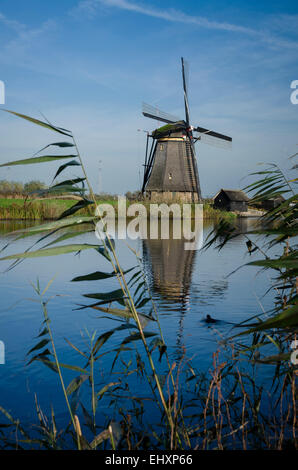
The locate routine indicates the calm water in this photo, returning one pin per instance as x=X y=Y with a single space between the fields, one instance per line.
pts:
x=186 y=286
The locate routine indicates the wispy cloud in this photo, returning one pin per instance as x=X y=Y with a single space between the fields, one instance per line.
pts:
x=22 y=39
x=89 y=7
x=12 y=24
x=27 y=36
x=24 y=34
x=284 y=23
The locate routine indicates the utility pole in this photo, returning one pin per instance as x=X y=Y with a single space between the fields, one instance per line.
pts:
x=99 y=177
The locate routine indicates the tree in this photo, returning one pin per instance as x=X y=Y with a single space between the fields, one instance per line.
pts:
x=33 y=186
x=11 y=187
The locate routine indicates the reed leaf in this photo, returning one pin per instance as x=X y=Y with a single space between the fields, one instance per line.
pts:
x=60 y=130
x=76 y=383
x=67 y=236
x=137 y=336
x=52 y=365
x=98 y=275
x=66 y=165
x=68 y=188
x=273 y=359
x=56 y=224
x=286 y=319
x=275 y=263
x=68 y=182
x=40 y=345
x=76 y=207
x=103 y=436
x=125 y=313
x=110 y=296
x=41 y=159
x=60 y=250
x=57 y=144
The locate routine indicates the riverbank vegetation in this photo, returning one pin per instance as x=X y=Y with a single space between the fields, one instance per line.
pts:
x=19 y=208
x=178 y=407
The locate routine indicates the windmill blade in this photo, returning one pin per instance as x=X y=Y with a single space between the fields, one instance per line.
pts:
x=148 y=165
x=186 y=73
x=155 y=113
x=209 y=139
x=217 y=135
x=184 y=78
x=213 y=141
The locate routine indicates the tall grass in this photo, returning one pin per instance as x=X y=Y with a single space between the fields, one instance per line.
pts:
x=30 y=210
x=50 y=209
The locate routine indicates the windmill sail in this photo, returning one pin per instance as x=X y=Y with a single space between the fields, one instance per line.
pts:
x=155 y=113
x=185 y=93
x=202 y=130
x=189 y=134
x=215 y=139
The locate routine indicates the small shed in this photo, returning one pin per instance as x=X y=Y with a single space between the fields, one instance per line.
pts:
x=231 y=200
x=272 y=203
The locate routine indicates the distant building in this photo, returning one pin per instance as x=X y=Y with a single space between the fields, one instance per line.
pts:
x=231 y=200
x=272 y=203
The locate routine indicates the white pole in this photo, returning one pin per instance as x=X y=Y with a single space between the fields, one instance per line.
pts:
x=99 y=177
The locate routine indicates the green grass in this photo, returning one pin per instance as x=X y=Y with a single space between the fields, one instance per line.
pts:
x=48 y=209
x=21 y=209
x=216 y=214
x=8 y=202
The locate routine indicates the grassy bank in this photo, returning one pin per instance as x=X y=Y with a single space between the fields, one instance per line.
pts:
x=50 y=209
x=21 y=209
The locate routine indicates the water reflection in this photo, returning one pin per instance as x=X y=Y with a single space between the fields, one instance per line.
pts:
x=7 y=226
x=169 y=267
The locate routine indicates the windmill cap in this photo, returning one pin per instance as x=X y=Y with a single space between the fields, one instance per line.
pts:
x=168 y=129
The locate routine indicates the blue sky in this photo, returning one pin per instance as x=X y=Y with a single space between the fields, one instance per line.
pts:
x=88 y=65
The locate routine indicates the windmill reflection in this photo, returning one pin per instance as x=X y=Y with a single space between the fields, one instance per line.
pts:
x=169 y=267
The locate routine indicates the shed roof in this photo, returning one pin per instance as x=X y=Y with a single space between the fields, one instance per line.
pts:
x=277 y=198
x=234 y=195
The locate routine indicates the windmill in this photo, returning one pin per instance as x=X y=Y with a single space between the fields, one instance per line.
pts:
x=170 y=168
